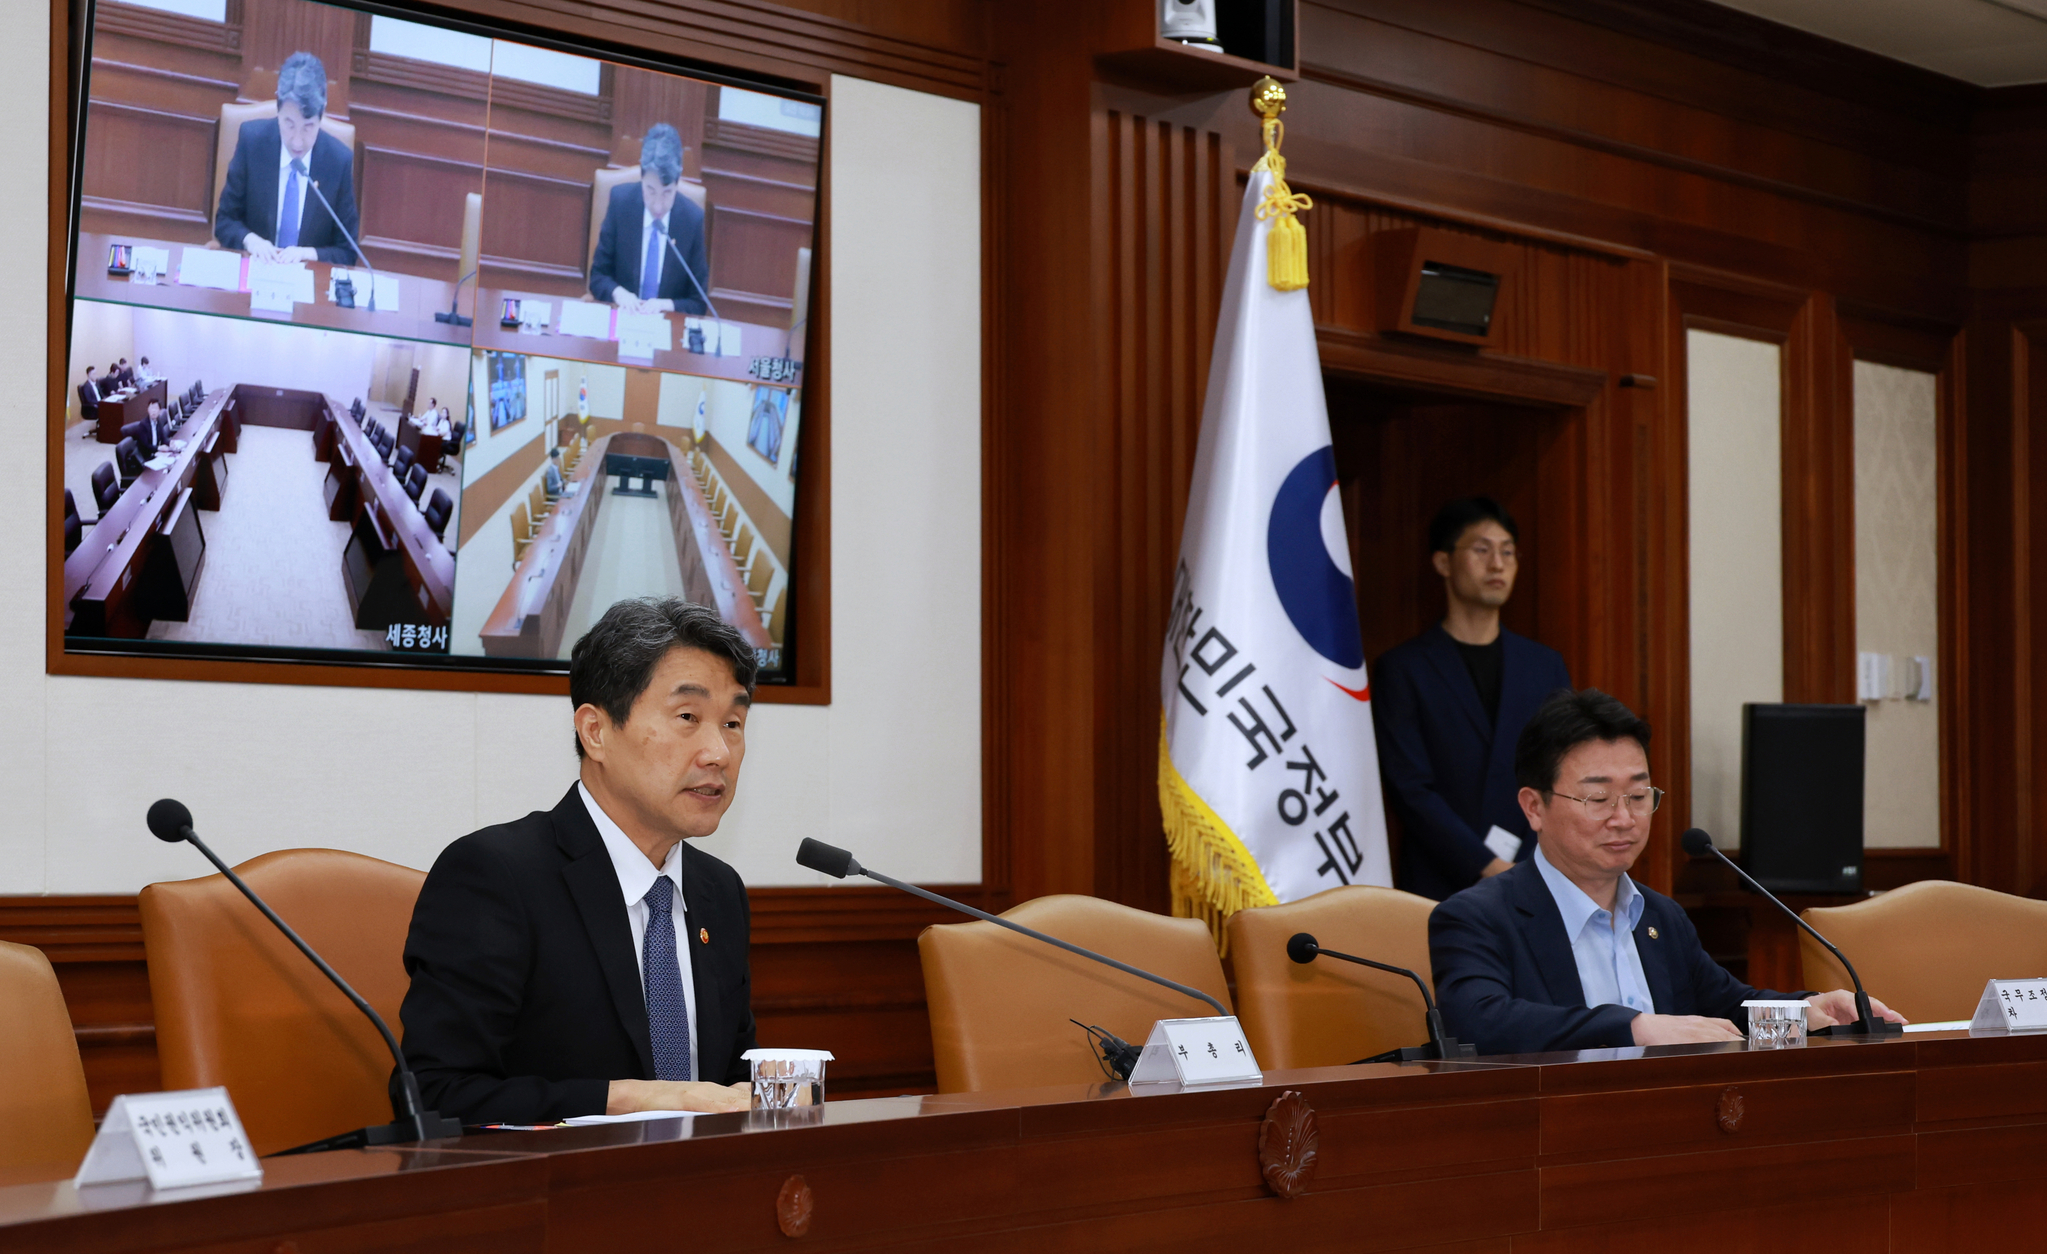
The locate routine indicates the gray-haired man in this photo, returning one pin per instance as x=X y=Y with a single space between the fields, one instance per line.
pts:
x=268 y=208
x=646 y=225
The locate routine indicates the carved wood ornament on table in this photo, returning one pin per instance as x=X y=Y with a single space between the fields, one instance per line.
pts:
x=1287 y=1145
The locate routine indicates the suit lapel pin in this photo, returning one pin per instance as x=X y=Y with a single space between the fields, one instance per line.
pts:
x=1652 y=932
x=703 y=936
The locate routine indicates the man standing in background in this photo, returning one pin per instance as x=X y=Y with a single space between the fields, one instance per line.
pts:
x=1449 y=705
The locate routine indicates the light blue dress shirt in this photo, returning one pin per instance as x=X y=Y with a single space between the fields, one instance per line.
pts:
x=1609 y=968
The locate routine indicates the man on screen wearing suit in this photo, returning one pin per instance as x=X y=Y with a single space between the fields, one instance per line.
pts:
x=268 y=208
x=588 y=959
x=1565 y=951
x=645 y=225
x=1448 y=704
x=89 y=398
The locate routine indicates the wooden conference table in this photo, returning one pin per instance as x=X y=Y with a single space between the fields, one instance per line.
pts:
x=419 y=299
x=757 y=343
x=116 y=412
x=396 y=569
x=531 y=618
x=1930 y=1142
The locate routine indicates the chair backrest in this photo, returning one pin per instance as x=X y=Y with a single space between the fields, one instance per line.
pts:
x=771 y=618
x=742 y=542
x=438 y=507
x=235 y=112
x=758 y=578
x=522 y=527
x=601 y=183
x=799 y=311
x=402 y=461
x=130 y=461
x=414 y=483
x=1329 y=1013
x=237 y=1005
x=1000 y=1002
x=472 y=238
x=106 y=486
x=45 y=1114
x=1927 y=949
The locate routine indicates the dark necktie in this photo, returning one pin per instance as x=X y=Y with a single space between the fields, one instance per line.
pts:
x=288 y=217
x=650 y=269
x=667 y=1012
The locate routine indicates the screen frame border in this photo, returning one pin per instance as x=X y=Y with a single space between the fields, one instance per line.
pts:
x=809 y=641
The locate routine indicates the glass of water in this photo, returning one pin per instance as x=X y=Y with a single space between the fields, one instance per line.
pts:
x=1776 y=1024
x=784 y=1079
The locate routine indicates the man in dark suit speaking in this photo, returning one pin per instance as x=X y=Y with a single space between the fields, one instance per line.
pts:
x=645 y=224
x=1565 y=951
x=588 y=960
x=268 y=208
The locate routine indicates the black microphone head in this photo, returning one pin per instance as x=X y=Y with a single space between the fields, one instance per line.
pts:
x=830 y=859
x=1696 y=842
x=170 y=820
x=1301 y=947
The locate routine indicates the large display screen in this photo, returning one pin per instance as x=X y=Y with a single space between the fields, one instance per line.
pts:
x=400 y=343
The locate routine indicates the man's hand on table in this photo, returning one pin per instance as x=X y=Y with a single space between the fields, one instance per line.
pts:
x=1827 y=1009
x=629 y=1096
x=1682 y=1030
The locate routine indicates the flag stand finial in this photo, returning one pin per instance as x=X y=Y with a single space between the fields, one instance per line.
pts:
x=1286 y=244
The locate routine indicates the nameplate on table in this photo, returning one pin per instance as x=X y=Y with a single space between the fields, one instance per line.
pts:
x=2011 y=1006
x=191 y=1136
x=1196 y=1052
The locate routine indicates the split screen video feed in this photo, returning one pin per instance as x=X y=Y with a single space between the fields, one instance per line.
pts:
x=424 y=346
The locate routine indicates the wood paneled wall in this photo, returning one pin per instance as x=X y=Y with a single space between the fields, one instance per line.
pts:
x=1651 y=166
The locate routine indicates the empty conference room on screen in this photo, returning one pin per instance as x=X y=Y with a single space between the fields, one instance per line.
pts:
x=451 y=339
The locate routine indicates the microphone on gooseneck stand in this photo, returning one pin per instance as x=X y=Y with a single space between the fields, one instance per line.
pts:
x=1303 y=948
x=372 y=306
x=1121 y=1056
x=452 y=317
x=171 y=821
x=700 y=290
x=1867 y=1023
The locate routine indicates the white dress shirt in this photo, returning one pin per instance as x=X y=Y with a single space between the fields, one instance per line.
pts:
x=635 y=876
x=1609 y=967
x=284 y=160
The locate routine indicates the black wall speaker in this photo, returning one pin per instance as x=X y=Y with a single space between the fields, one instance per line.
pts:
x=1801 y=796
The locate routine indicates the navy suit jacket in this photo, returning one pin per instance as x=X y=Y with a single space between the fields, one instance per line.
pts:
x=525 y=1001
x=1506 y=977
x=620 y=242
x=248 y=201
x=1448 y=771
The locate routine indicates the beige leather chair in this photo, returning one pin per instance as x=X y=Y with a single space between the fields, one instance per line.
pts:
x=236 y=112
x=1000 y=1002
x=472 y=249
x=1927 y=949
x=45 y=1115
x=237 y=1004
x=1328 y=1013
x=601 y=184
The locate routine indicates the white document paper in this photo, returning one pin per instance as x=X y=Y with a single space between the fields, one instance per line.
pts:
x=1196 y=1052
x=2011 y=1006
x=1943 y=1025
x=534 y=315
x=293 y=280
x=1503 y=843
x=642 y=335
x=586 y=319
x=188 y=1137
x=638 y=1116
x=210 y=267
x=728 y=339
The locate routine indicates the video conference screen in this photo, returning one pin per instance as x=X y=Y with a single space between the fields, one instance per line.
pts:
x=399 y=343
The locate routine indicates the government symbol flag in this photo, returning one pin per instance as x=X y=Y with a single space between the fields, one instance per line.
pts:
x=1268 y=772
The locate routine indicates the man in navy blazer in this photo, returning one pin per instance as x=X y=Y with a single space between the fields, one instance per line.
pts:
x=645 y=225
x=1565 y=951
x=1448 y=705
x=268 y=208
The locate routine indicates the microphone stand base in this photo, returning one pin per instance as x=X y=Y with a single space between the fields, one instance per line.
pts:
x=1877 y=1029
x=1453 y=1050
x=433 y=1126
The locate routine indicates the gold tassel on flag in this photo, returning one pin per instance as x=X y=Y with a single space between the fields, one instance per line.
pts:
x=1212 y=875
x=1286 y=243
